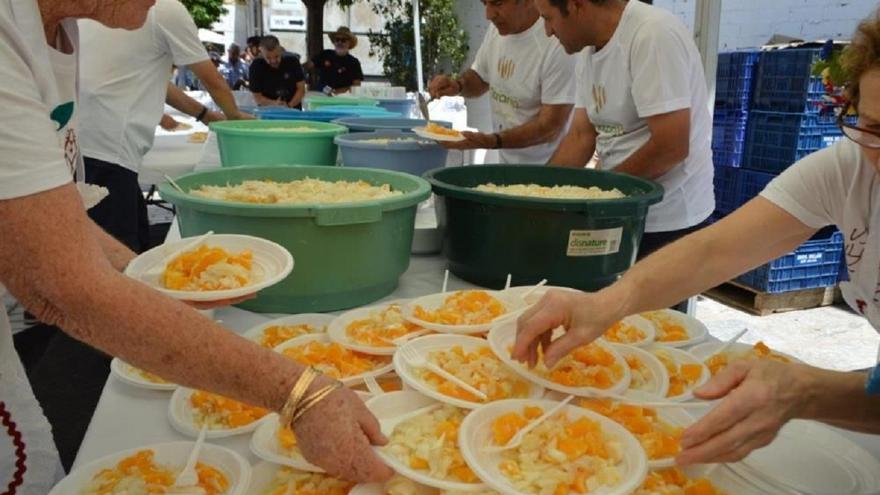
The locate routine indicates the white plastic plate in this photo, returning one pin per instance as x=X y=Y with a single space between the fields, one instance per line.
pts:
x=502 y=338
x=272 y=264
x=426 y=345
x=316 y=320
x=695 y=328
x=476 y=433
x=421 y=131
x=659 y=381
x=264 y=444
x=397 y=403
x=683 y=357
x=124 y=372
x=182 y=418
x=707 y=349
x=642 y=324
x=172 y=454
x=324 y=339
x=513 y=305
x=337 y=331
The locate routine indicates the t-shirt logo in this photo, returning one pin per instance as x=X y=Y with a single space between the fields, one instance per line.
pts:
x=62 y=114
x=598 y=97
x=506 y=67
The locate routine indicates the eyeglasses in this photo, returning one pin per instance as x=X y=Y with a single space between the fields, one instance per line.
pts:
x=340 y=41
x=858 y=135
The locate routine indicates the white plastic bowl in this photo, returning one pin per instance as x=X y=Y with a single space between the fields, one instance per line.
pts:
x=513 y=305
x=272 y=263
x=430 y=343
x=232 y=465
x=324 y=339
x=659 y=375
x=315 y=320
x=695 y=328
x=394 y=404
x=642 y=324
x=502 y=338
x=337 y=331
x=182 y=418
x=476 y=434
x=264 y=444
x=683 y=357
x=123 y=371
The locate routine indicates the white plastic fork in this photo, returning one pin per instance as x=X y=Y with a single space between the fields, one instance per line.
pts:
x=388 y=424
x=517 y=439
x=373 y=386
x=189 y=477
x=727 y=344
x=417 y=360
x=537 y=286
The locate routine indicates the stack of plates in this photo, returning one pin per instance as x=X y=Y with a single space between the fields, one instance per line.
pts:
x=811 y=459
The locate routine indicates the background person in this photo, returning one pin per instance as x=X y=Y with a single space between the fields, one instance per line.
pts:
x=337 y=69
x=276 y=78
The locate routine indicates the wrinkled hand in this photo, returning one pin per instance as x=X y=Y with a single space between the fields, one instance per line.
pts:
x=472 y=140
x=584 y=316
x=168 y=123
x=336 y=435
x=760 y=397
x=203 y=305
x=442 y=86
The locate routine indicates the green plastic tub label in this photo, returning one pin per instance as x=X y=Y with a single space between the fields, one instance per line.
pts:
x=594 y=242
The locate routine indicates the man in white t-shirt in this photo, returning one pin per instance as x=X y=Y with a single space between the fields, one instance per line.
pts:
x=641 y=104
x=122 y=95
x=530 y=81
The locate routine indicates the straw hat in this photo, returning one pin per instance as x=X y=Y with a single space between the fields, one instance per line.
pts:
x=344 y=32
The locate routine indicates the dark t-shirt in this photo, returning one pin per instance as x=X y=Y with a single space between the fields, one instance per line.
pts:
x=276 y=83
x=335 y=71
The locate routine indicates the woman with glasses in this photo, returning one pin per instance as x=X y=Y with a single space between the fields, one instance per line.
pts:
x=837 y=186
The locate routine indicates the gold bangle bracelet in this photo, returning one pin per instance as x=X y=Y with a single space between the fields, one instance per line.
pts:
x=313 y=400
x=296 y=394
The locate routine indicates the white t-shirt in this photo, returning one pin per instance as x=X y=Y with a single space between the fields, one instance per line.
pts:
x=122 y=91
x=838 y=186
x=38 y=139
x=651 y=66
x=524 y=71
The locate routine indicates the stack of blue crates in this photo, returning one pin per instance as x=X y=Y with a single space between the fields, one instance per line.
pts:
x=770 y=113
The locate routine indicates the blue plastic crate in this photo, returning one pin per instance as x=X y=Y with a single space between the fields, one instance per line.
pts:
x=728 y=137
x=815 y=264
x=750 y=183
x=775 y=140
x=784 y=81
x=725 y=189
x=734 y=79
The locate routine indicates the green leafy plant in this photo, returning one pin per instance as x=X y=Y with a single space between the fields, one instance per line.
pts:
x=205 y=12
x=444 y=42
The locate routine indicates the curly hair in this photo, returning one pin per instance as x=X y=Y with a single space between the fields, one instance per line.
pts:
x=863 y=54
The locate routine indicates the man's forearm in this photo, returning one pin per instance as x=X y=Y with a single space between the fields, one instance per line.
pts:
x=263 y=100
x=179 y=100
x=574 y=151
x=221 y=94
x=840 y=399
x=299 y=94
x=472 y=85
x=651 y=161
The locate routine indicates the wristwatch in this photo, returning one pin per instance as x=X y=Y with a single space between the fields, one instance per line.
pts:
x=202 y=114
x=872 y=382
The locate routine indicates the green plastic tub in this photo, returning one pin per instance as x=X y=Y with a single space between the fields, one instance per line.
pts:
x=347 y=255
x=316 y=102
x=258 y=142
x=571 y=243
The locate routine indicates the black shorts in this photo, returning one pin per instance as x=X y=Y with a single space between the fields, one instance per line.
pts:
x=122 y=214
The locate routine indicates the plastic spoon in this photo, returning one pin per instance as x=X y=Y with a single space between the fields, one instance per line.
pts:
x=727 y=344
x=189 y=477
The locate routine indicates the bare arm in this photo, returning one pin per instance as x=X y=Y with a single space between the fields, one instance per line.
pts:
x=578 y=146
x=56 y=268
x=469 y=85
x=116 y=252
x=544 y=128
x=218 y=89
x=264 y=101
x=689 y=266
x=299 y=95
x=668 y=146
x=181 y=101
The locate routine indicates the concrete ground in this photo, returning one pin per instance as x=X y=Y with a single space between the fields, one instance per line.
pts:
x=831 y=337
